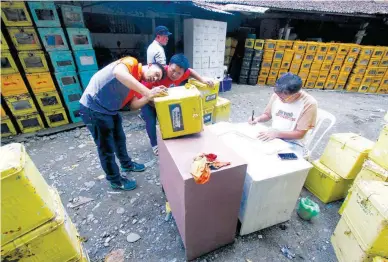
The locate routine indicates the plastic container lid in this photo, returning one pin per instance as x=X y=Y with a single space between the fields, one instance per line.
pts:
x=353 y=141
x=12 y=160
x=377 y=193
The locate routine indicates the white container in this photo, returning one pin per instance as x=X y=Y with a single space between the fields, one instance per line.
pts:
x=272 y=186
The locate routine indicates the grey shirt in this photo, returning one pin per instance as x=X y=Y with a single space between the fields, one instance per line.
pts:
x=155 y=53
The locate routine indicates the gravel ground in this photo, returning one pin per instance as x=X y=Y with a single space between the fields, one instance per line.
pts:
x=69 y=162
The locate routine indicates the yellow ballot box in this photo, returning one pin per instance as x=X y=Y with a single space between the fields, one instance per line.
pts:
x=221 y=110
x=345 y=153
x=208 y=116
x=56 y=240
x=326 y=184
x=209 y=94
x=26 y=201
x=180 y=113
x=367 y=215
x=379 y=152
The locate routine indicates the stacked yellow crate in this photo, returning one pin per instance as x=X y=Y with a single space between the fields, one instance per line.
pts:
x=221 y=110
x=273 y=69
x=38 y=229
x=7 y=127
x=341 y=161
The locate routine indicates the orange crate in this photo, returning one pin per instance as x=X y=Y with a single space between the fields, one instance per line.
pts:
x=269 y=44
x=329 y=85
x=316 y=66
x=333 y=48
x=326 y=66
x=374 y=62
x=41 y=82
x=352 y=87
x=300 y=46
x=359 y=69
x=367 y=51
x=12 y=84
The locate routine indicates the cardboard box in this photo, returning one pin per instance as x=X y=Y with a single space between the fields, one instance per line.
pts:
x=206 y=215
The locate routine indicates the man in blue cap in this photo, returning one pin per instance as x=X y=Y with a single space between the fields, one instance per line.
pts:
x=155 y=51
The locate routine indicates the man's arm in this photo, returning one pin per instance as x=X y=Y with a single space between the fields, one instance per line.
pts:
x=122 y=74
x=137 y=103
x=196 y=76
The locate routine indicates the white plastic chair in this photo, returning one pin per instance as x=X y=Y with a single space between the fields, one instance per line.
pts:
x=322 y=115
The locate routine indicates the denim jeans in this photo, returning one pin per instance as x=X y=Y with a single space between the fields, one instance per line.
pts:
x=149 y=115
x=109 y=136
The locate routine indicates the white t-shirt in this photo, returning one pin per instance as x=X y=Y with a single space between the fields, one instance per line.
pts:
x=155 y=53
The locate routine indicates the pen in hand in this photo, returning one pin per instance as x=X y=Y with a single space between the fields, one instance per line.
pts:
x=253 y=114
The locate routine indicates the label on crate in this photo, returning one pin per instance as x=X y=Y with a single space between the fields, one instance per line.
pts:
x=87 y=60
x=176 y=117
x=210 y=97
x=207 y=118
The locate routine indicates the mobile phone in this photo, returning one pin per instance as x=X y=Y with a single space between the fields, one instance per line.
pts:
x=287 y=156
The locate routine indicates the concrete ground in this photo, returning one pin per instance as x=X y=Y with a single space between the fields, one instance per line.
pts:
x=69 y=162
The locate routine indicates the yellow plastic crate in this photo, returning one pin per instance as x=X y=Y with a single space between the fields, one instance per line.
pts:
x=345 y=244
x=319 y=57
x=333 y=48
x=282 y=71
x=270 y=44
x=346 y=69
x=359 y=69
x=259 y=44
x=326 y=184
x=363 y=61
x=268 y=55
x=4 y=45
x=371 y=71
x=308 y=57
x=273 y=73
x=345 y=153
x=333 y=76
x=313 y=75
x=380 y=259
x=12 y=84
x=294 y=71
x=312 y=47
x=385 y=53
x=278 y=56
x=310 y=83
x=276 y=65
x=8 y=65
x=354 y=49
x=285 y=65
x=323 y=48
x=382 y=90
x=339 y=86
x=343 y=49
x=271 y=81
x=367 y=51
x=288 y=55
x=355 y=79
x=316 y=66
x=49 y=101
x=374 y=62
x=20 y=104
x=249 y=43
x=303 y=73
x=15 y=13
x=306 y=65
x=329 y=57
x=343 y=77
x=336 y=68
x=222 y=110
x=320 y=84
x=33 y=61
x=7 y=129
x=326 y=66
x=367 y=213
x=266 y=64
x=339 y=59
x=364 y=88
x=209 y=94
x=379 y=152
x=304 y=80
x=295 y=66
x=56 y=240
x=21 y=181
x=260 y=81
x=372 y=88
x=208 y=116
x=290 y=44
x=300 y=46
x=384 y=62
x=378 y=52
x=264 y=72
x=180 y=113
x=352 y=87
x=30 y=123
x=24 y=38
x=323 y=75
x=298 y=57
x=280 y=45
x=330 y=84
x=372 y=171
x=350 y=59
x=41 y=82
x=2 y=112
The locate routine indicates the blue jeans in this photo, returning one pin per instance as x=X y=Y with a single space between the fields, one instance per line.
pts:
x=149 y=114
x=109 y=136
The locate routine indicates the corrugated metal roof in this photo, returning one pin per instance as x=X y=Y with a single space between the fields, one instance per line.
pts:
x=209 y=7
x=240 y=8
x=327 y=6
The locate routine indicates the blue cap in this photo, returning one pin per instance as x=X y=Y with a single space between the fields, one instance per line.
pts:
x=162 y=30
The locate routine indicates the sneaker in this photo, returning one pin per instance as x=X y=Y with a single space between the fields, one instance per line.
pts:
x=141 y=117
x=124 y=184
x=135 y=167
x=155 y=149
